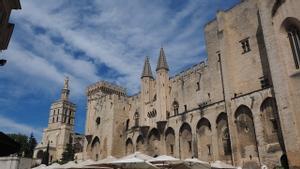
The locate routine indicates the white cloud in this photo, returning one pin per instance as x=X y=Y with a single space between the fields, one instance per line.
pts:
x=10 y=126
x=112 y=37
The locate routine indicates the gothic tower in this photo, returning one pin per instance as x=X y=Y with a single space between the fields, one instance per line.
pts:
x=162 y=84
x=60 y=126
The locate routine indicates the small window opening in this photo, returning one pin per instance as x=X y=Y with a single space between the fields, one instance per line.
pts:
x=274 y=124
x=245 y=45
x=190 y=146
x=198 y=86
x=127 y=124
x=209 y=149
x=98 y=120
x=172 y=148
x=185 y=108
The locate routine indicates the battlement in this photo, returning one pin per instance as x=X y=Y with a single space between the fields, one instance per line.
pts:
x=106 y=87
x=195 y=68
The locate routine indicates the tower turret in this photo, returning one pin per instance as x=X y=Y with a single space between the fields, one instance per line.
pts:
x=147 y=80
x=162 y=61
x=162 y=84
x=147 y=72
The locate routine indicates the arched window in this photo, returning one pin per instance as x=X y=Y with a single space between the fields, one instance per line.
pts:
x=294 y=38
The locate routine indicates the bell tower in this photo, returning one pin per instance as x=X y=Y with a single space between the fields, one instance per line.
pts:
x=60 y=128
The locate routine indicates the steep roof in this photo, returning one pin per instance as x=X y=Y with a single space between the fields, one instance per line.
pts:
x=147 y=72
x=162 y=61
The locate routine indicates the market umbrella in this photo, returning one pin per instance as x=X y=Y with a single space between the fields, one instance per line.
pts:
x=193 y=163
x=220 y=164
x=68 y=165
x=164 y=160
x=53 y=166
x=40 y=166
x=84 y=164
x=103 y=162
x=136 y=160
x=133 y=163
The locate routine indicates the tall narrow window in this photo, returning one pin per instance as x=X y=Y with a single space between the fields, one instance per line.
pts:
x=185 y=108
x=294 y=37
x=190 y=146
x=176 y=107
x=245 y=45
x=209 y=149
x=172 y=148
x=198 y=86
x=136 y=118
x=127 y=124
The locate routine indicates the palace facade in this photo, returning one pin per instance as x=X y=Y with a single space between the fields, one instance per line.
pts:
x=242 y=106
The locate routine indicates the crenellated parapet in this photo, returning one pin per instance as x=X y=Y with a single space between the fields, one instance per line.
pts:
x=105 y=87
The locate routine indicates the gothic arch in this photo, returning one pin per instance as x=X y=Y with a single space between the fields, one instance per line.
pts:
x=291 y=28
x=95 y=146
x=224 y=143
x=129 y=146
x=204 y=138
x=170 y=141
x=140 y=146
x=186 y=144
x=246 y=132
x=154 y=142
x=269 y=118
x=40 y=154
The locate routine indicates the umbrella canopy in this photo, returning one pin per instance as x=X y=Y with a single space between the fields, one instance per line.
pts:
x=138 y=155
x=220 y=164
x=53 y=166
x=163 y=158
x=194 y=163
x=104 y=161
x=40 y=166
x=68 y=165
x=136 y=160
x=84 y=164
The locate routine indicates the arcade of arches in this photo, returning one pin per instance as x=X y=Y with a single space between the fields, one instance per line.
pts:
x=210 y=143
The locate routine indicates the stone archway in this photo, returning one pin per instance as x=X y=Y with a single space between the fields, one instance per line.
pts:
x=170 y=141
x=224 y=143
x=204 y=138
x=269 y=121
x=129 y=146
x=140 y=146
x=186 y=145
x=95 y=147
x=246 y=133
x=40 y=154
x=154 y=142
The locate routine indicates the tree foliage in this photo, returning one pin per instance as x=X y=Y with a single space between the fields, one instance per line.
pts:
x=27 y=144
x=68 y=154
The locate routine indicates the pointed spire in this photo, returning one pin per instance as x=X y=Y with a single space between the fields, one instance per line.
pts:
x=147 y=72
x=162 y=61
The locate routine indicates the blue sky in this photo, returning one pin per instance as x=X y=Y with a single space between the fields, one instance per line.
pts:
x=92 y=40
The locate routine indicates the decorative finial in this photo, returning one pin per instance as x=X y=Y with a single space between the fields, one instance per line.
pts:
x=66 y=83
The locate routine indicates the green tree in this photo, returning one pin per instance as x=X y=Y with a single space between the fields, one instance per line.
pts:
x=68 y=154
x=23 y=141
x=27 y=145
x=32 y=144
